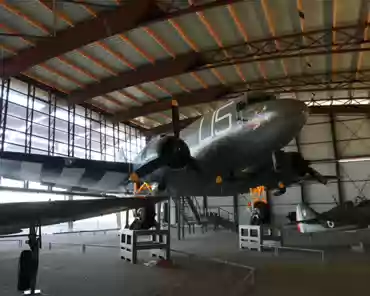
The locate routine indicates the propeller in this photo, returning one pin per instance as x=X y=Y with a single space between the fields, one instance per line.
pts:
x=175 y=119
x=171 y=151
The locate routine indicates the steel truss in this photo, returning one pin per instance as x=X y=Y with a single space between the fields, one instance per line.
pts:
x=307 y=83
x=340 y=80
x=317 y=42
x=338 y=101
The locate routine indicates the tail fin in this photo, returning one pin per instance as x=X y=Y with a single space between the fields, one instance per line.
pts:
x=307 y=219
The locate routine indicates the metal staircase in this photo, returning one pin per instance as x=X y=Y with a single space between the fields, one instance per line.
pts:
x=221 y=217
x=193 y=214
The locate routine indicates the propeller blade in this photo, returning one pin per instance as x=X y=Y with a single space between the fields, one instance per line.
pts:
x=317 y=176
x=175 y=118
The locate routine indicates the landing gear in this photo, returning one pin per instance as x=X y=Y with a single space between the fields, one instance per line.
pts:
x=276 y=163
x=145 y=218
x=260 y=214
x=29 y=262
x=281 y=189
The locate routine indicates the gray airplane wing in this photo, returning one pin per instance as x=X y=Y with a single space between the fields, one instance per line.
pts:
x=15 y=216
x=73 y=174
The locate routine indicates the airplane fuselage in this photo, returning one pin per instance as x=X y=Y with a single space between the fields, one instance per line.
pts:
x=229 y=140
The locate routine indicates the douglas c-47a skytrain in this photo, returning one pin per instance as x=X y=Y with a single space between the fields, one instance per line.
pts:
x=226 y=152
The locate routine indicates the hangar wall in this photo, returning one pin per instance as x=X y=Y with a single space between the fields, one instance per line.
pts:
x=337 y=146
x=35 y=121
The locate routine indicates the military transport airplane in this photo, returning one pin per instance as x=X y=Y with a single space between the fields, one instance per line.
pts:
x=223 y=153
x=347 y=216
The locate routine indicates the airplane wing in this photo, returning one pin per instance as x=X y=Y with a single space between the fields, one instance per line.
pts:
x=73 y=174
x=15 y=216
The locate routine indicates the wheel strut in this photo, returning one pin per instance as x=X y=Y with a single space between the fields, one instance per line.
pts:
x=29 y=262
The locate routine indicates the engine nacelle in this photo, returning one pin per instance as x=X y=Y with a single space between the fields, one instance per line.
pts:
x=173 y=152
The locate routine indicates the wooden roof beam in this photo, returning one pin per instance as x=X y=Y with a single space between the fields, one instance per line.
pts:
x=146 y=73
x=130 y=15
x=340 y=109
x=109 y=23
x=166 y=128
x=184 y=100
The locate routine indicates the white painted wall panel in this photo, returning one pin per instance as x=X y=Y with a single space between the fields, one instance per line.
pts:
x=315 y=133
x=323 y=207
x=280 y=212
x=325 y=168
x=359 y=170
x=319 y=193
x=345 y=118
x=359 y=128
x=352 y=148
x=291 y=148
x=353 y=189
x=292 y=196
x=220 y=201
x=318 y=151
x=313 y=119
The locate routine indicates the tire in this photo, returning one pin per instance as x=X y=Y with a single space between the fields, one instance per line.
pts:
x=25 y=270
x=256 y=220
x=260 y=213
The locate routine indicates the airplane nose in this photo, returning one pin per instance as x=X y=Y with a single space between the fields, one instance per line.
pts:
x=288 y=116
x=295 y=108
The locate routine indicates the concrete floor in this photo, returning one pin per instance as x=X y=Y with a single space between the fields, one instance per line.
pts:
x=65 y=270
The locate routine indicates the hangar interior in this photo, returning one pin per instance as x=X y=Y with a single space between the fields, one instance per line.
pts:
x=95 y=80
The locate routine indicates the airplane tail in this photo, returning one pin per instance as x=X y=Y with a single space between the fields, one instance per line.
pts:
x=307 y=219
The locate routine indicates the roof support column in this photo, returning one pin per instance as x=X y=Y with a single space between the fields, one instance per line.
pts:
x=336 y=156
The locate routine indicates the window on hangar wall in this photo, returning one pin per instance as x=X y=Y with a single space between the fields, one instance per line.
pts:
x=46 y=120
x=30 y=112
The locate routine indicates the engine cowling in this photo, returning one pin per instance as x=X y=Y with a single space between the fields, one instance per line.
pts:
x=174 y=152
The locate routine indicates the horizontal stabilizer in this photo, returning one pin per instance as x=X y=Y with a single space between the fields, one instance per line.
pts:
x=308 y=219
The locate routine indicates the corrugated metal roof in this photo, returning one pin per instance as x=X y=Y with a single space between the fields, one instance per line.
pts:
x=220 y=27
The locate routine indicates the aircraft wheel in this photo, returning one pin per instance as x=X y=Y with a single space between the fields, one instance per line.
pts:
x=255 y=220
x=25 y=270
x=260 y=213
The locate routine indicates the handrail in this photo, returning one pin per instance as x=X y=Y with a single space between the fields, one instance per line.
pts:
x=197 y=205
x=225 y=210
x=219 y=209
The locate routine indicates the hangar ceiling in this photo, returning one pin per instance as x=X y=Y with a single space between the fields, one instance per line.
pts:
x=128 y=58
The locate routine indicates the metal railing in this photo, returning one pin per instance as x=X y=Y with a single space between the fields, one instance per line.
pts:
x=222 y=213
x=19 y=241
x=277 y=248
x=248 y=278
